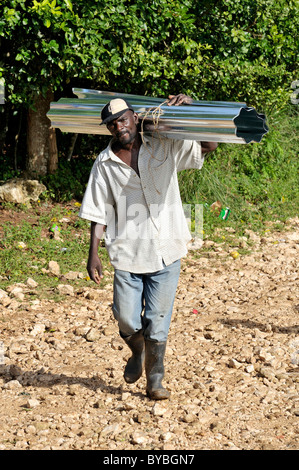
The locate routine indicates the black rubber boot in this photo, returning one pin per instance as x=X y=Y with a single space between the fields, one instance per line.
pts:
x=154 y=369
x=134 y=367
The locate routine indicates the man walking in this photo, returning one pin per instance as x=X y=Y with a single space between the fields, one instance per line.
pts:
x=133 y=196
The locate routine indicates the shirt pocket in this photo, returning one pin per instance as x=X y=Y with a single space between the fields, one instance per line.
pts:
x=161 y=177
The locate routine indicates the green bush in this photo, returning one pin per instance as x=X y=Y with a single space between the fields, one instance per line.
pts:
x=70 y=180
x=7 y=170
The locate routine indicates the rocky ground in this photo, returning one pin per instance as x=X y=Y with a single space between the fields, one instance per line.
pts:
x=232 y=361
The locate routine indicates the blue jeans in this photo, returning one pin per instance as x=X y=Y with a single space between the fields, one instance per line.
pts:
x=145 y=301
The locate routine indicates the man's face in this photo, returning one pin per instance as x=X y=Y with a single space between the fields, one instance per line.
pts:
x=124 y=128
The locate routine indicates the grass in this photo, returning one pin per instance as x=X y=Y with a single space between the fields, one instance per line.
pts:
x=27 y=246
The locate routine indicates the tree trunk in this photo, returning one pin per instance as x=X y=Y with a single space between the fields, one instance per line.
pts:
x=42 y=156
x=3 y=126
x=17 y=140
x=71 y=147
x=53 y=152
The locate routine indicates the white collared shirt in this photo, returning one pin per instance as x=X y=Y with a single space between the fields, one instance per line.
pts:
x=146 y=224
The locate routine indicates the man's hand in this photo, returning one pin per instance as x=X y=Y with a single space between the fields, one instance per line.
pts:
x=177 y=100
x=94 y=268
x=207 y=147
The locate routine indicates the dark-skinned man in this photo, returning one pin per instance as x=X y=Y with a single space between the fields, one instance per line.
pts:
x=133 y=197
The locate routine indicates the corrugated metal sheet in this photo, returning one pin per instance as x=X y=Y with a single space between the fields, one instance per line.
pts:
x=213 y=121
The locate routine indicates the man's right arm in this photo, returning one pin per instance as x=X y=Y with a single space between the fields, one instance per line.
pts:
x=94 y=265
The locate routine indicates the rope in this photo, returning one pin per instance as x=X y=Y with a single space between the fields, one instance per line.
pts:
x=154 y=114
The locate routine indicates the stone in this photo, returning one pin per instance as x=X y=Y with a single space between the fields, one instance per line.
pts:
x=93 y=335
x=65 y=289
x=82 y=330
x=21 y=191
x=5 y=300
x=234 y=364
x=158 y=409
x=54 y=268
x=74 y=389
x=293 y=236
x=72 y=275
x=264 y=356
x=139 y=438
x=32 y=403
x=12 y=385
x=17 y=292
x=31 y=283
x=189 y=417
x=110 y=429
x=38 y=329
x=18 y=347
x=267 y=372
x=167 y=436
x=110 y=330
x=30 y=429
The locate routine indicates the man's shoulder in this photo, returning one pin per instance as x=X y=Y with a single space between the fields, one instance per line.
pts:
x=98 y=167
x=170 y=139
x=158 y=142
x=102 y=156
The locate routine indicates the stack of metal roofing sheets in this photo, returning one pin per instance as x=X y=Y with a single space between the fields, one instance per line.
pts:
x=213 y=121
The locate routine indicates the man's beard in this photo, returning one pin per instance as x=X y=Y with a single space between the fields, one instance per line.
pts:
x=126 y=137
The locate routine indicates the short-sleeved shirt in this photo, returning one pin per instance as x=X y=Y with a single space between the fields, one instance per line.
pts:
x=146 y=225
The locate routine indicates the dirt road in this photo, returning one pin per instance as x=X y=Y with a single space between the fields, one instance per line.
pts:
x=232 y=362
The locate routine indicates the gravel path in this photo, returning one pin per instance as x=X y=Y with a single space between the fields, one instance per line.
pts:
x=232 y=361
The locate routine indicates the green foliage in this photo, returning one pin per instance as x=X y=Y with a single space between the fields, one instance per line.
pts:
x=69 y=181
x=257 y=182
x=26 y=247
x=224 y=49
x=6 y=169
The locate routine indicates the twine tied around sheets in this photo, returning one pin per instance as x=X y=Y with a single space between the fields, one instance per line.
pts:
x=154 y=113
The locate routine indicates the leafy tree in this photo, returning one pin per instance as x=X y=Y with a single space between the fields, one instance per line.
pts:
x=255 y=48
x=212 y=49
